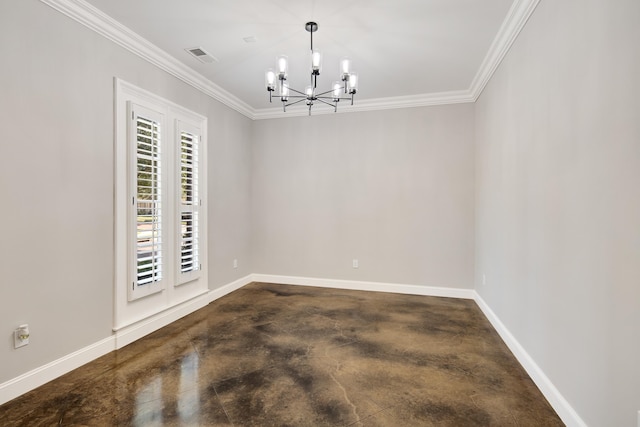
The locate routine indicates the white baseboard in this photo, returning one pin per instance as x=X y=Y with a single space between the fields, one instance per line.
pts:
x=39 y=376
x=135 y=331
x=564 y=410
x=28 y=381
x=131 y=333
x=367 y=286
x=230 y=287
x=35 y=378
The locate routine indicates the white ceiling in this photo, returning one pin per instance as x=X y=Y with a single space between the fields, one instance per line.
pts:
x=399 y=48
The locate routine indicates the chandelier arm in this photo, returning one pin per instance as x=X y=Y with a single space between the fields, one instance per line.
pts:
x=332 y=98
x=297 y=91
x=294 y=103
x=325 y=102
x=291 y=96
x=324 y=93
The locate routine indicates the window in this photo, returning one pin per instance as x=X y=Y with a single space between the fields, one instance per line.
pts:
x=160 y=216
x=147 y=200
x=189 y=203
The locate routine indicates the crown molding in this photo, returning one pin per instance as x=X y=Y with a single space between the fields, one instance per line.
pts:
x=514 y=22
x=98 y=21
x=391 y=103
x=103 y=24
x=516 y=18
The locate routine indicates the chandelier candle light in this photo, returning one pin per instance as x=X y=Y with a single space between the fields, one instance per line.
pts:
x=348 y=83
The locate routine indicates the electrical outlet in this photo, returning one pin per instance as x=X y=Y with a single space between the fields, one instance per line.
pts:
x=235 y=263
x=355 y=263
x=21 y=336
x=484 y=279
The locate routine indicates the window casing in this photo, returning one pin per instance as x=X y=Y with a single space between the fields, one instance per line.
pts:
x=160 y=206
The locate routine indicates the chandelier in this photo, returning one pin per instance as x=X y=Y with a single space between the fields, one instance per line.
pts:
x=277 y=81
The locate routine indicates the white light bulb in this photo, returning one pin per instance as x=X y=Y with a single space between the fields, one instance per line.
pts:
x=345 y=65
x=282 y=66
x=316 y=61
x=336 y=90
x=353 y=83
x=284 y=92
x=270 y=79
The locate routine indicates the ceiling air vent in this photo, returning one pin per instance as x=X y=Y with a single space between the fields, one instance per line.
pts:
x=201 y=55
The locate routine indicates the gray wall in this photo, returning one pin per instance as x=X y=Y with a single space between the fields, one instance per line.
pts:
x=393 y=189
x=558 y=205
x=557 y=211
x=56 y=181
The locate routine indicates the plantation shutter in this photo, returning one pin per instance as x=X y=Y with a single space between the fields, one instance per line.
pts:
x=189 y=203
x=147 y=199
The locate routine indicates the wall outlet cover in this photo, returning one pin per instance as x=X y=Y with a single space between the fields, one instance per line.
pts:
x=21 y=336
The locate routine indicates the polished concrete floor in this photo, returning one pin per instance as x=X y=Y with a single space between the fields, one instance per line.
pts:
x=276 y=355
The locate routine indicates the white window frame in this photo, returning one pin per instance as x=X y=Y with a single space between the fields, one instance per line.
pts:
x=131 y=304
